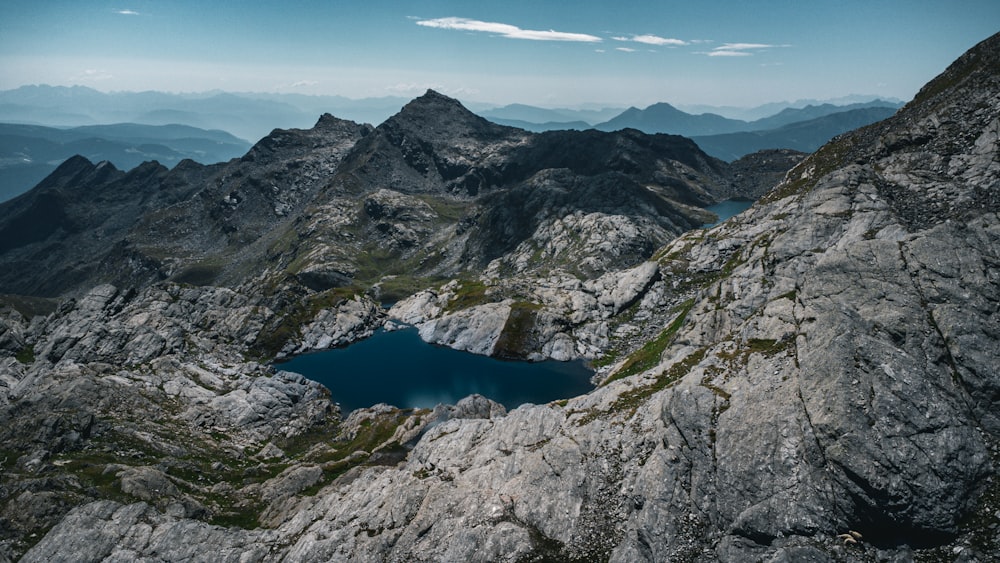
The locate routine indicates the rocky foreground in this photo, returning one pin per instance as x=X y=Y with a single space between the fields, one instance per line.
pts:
x=816 y=379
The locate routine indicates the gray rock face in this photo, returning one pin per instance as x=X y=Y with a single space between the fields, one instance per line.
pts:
x=145 y=532
x=568 y=320
x=755 y=174
x=350 y=321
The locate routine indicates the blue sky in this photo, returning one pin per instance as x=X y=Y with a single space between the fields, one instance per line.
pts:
x=555 y=53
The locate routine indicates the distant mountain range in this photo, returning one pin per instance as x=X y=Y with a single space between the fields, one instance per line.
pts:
x=665 y=118
x=254 y=115
x=248 y=116
x=803 y=129
x=535 y=116
x=769 y=109
x=29 y=153
x=545 y=126
x=805 y=136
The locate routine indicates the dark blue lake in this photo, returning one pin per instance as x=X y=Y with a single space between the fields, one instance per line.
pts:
x=726 y=209
x=399 y=368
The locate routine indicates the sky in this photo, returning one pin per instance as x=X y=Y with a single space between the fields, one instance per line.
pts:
x=550 y=53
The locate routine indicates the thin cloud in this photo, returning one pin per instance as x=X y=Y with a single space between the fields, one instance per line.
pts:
x=507 y=30
x=92 y=75
x=743 y=46
x=625 y=49
x=416 y=88
x=658 y=41
x=723 y=53
x=739 y=49
x=127 y=12
x=411 y=87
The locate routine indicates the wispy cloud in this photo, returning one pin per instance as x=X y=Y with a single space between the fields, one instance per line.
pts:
x=507 y=30
x=415 y=88
x=654 y=40
x=739 y=49
x=721 y=53
x=127 y=12
x=92 y=75
x=625 y=49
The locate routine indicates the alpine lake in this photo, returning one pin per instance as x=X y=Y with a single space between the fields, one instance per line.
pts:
x=398 y=368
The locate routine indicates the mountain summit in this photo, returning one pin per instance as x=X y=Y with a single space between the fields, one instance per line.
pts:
x=440 y=117
x=665 y=118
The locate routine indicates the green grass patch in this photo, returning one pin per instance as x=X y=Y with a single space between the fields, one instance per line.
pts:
x=631 y=399
x=767 y=346
x=469 y=293
x=516 y=339
x=29 y=306
x=450 y=210
x=245 y=519
x=288 y=325
x=651 y=352
x=790 y=295
x=828 y=158
x=397 y=287
x=26 y=355
x=610 y=357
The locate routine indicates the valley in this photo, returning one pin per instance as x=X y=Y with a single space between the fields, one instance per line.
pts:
x=822 y=364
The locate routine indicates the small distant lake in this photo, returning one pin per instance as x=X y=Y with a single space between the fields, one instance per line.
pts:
x=399 y=368
x=726 y=209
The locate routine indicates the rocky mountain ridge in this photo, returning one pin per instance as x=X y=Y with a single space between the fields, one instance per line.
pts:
x=812 y=380
x=441 y=191
x=29 y=153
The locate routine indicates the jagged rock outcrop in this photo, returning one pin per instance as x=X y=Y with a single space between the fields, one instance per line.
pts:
x=559 y=317
x=755 y=174
x=54 y=236
x=824 y=365
x=350 y=321
x=445 y=192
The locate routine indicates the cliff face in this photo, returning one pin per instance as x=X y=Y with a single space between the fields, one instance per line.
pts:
x=824 y=364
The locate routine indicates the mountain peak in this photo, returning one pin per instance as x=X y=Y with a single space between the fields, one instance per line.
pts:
x=434 y=116
x=433 y=102
x=981 y=63
x=432 y=94
x=662 y=117
x=663 y=106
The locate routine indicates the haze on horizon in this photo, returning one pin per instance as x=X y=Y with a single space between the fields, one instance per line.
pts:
x=552 y=54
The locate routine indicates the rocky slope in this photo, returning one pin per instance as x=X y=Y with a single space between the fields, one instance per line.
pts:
x=90 y=223
x=430 y=192
x=755 y=174
x=812 y=380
